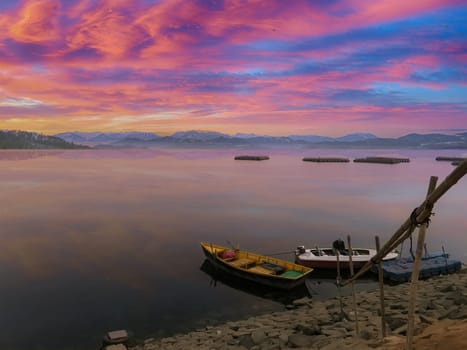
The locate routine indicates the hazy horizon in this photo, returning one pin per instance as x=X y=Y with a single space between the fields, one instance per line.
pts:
x=442 y=131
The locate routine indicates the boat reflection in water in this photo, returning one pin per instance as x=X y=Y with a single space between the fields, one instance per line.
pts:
x=281 y=296
x=321 y=286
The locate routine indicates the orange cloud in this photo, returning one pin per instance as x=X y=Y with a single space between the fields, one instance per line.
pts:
x=107 y=29
x=36 y=22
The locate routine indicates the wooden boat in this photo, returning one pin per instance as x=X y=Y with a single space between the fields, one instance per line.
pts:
x=257 y=268
x=326 y=258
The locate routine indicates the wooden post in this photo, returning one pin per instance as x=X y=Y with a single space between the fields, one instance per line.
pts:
x=354 y=297
x=401 y=249
x=381 y=291
x=416 y=272
x=338 y=281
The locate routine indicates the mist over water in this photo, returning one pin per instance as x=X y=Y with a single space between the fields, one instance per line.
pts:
x=92 y=241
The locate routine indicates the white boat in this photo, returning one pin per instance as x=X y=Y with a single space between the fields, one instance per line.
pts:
x=326 y=258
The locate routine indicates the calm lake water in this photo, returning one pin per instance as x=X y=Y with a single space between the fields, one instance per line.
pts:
x=92 y=241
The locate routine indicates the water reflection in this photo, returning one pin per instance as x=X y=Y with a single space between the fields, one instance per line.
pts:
x=92 y=241
x=283 y=297
x=27 y=154
x=181 y=154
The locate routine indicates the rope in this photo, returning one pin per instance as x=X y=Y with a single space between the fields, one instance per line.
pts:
x=413 y=216
x=414 y=223
x=281 y=253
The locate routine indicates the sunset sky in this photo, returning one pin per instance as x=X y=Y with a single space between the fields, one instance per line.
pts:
x=276 y=67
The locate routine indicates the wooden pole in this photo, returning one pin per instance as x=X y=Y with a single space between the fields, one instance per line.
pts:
x=381 y=292
x=338 y=281
x=421 y=213
x=354 y=297
x=416 y=273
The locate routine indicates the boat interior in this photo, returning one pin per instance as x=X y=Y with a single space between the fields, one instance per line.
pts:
x=258 y=264
x=331 y=252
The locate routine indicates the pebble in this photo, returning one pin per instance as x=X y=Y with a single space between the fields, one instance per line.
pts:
x=322 y=325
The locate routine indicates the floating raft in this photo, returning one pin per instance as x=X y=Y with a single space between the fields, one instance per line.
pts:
x=400 y=270
x=451 y=159
x=382 y=160
x=326 y=160
x=251 y=157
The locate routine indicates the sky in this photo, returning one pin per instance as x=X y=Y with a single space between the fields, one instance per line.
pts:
x=322 y=67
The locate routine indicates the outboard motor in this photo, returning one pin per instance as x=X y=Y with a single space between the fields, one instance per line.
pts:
x=339 y=245
x=300 y=250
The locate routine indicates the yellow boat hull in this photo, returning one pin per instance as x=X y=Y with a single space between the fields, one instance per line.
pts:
x=272 y=272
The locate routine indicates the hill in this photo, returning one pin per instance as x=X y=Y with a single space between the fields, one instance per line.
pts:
x=31 y=140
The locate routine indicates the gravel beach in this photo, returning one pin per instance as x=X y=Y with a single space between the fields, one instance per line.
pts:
x=440 y=323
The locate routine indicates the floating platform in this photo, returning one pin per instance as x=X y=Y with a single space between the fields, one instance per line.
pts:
x=400 y=270
x=382 y=160
x=326 y=160
x=251 y=157
x=451 y=159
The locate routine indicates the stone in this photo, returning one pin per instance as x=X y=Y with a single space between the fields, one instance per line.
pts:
x=272 y=346
x=426 y=319
x=309 y=329
x=302 y=302
x=258 y=336
x=395 y=322
x=115 y=347
x=283 y=337
x=365 y=334
x=448 y=288
x=246 y=341
x=299 y=340
x=448 y=313
x=334 y=333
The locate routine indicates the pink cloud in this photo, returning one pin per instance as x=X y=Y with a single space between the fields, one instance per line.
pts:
x=36 y=22
x=108 y=29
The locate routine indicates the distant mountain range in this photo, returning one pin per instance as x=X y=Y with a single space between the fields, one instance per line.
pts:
x=105 y=137
x=32 y=140
x=70 y=140
x=217 y=139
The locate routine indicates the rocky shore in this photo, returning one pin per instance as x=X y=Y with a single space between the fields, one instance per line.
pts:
x=440 y=321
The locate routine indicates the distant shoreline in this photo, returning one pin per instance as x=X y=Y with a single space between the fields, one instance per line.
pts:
x=206 y=139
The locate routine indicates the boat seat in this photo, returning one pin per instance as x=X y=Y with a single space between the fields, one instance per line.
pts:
x=276 y=269
x=261 y=270
x=243 y=262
